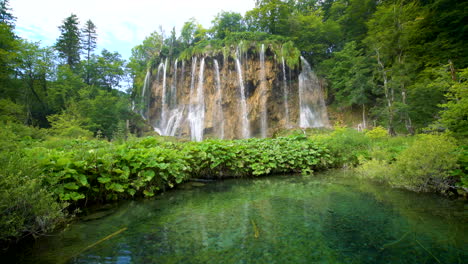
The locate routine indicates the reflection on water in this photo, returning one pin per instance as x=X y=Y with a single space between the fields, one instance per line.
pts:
x=331 y=218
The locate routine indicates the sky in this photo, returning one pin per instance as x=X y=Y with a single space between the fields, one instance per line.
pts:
x=121 y=24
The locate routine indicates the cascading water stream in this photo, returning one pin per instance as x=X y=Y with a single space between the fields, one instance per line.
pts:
x=173 y=101
x=144 y=100
x=285 y=95
x=263 y=95
x=174 y=121
x=219 y=102
x=243 y=101
x=313 y=112
x=164 y=102
x=192 y=95
x=197 y=112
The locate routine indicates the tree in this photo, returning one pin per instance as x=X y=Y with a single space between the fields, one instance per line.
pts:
x=9 y=47
x=68 y=43
x=107 y=70
x=89 y=37
x=352 y=16
x=226 y=22
x=35 y=69
x=172 y=43
x=455 y=115
x=104 y=111
x=389 y=40
x=314 y=37
x=187 y=34
x=444 y=30
x=426 y=94
x=65 y=89
x=350 y=75
x=269 y=16
x=5 y=16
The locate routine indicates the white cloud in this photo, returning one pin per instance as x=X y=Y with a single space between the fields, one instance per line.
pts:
x=120 y=24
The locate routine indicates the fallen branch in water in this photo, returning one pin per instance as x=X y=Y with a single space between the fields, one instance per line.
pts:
x=428 y=251
x=100 y=241
x=255 y=228
x=395 y=242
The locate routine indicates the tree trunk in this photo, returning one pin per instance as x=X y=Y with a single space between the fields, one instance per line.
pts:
x=364 y=124
x=408 y=123
x=389 y=96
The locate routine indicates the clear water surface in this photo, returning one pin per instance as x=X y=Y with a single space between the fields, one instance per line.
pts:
x=327 y=218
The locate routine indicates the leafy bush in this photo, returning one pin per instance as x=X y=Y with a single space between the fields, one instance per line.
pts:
x=347 y=146
x=255 y=157
x=426 y=165
x=27 y=207
x=377 y=132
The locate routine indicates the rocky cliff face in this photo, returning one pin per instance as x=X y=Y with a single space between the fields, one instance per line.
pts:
x=203 y=96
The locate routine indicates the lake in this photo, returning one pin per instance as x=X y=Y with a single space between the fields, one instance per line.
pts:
x=332 y=217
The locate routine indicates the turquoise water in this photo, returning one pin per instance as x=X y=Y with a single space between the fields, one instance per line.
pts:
x=330 y=218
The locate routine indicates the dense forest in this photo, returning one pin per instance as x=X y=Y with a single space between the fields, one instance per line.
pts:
x=400 y=64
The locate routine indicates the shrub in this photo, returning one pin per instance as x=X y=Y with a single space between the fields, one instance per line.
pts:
x=426 y=165
x=27 y=207
x=377 y=132
x=347 y=146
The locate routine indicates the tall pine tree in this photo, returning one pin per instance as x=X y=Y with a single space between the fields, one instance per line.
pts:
x=5 y=16
x=89 y=37
x=68 y=43
x=9 y=46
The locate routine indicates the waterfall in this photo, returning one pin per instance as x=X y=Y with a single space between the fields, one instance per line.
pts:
x=196 y=114
x=313 y=112
x=243 y=102
x=192 y=94
x=173 y=101
x=164 y=100
x=144 y=101
x=219 y=102
x=173 y=123
x=263 y=94
x=285 y=95
x=181 y=108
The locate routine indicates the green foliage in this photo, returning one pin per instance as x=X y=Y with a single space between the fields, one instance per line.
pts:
x=103 y=111
x=69 y=124
x=455 y=115
x=427 y=93
x=349 y=73
x=9 y=47
x=255 y=157
x=5 y=16
x=89 y=37
x=64 y=89
x=290 y=53
x=462 y=170
x=347 y=146
x=69 y=42
x=106 y=71
x=226 y=22
x=11 y=112
x=269 y=16
x=28 y=208
x=100 y=171
x=377 y=132
x=313 y=35
x=427 y=164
